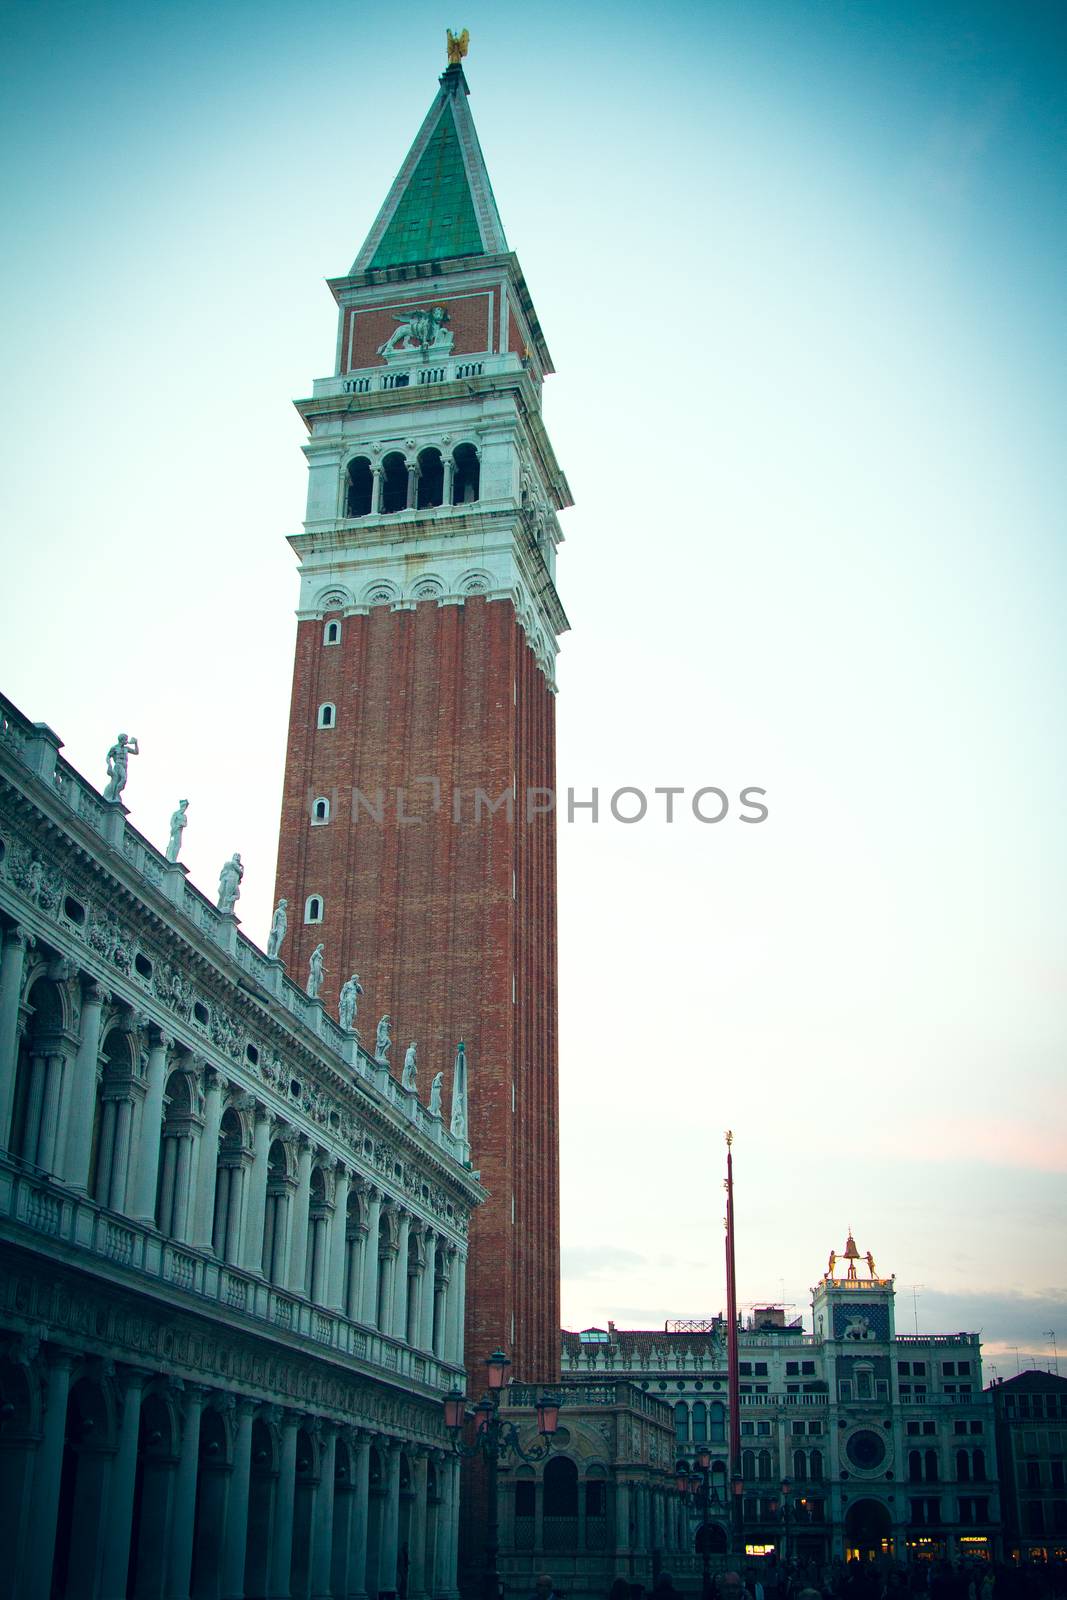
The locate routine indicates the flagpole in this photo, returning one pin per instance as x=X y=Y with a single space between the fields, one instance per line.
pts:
x=733 y=1377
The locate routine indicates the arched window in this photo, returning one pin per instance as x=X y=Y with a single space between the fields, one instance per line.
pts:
x=394 y=482
x=320 y=811
x=431 y=490
x=764 y=1464
x=963 y=1466
x=930 y=1463
x=700 y=1422
x=978 y=1472
x=331 y=633
x=915 y=1466
x=816 y=1465
x=800 y=1464
x=359 y=487
x=717 y=1417
x=681 y=1422
x=466 y=475
x=560 y=1504
x=748 y=1463
x=313 y=908
x=327 y=714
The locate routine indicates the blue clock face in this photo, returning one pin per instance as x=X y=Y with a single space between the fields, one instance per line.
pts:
x=866 y=1449
x=860 y=1323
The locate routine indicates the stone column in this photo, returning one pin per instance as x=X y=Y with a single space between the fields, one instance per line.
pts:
x=450 y=468
x=183 y=1178
x=231 y=1243
x=46 y=1475
x=298 y=1236
x=204 y=1213
x=116 y=1535
x=450 y=1523
x=453 y=1314
x=282 y=1553
x=622 y=1517
x=319 y=1244
x=143 y=1205
x=417 y=1530
x=232 y=1572
x=398 y=1326
x=120 y=1160
x=388 y=1552
x=180 y=1553
x=357 y=1549
x=16 y=942
x=335 y=1289
x=53 y=1090
x=426 y=1292
x=376 y=489
x=322 y=1528
x=459 y=1290
x=82 y=1102
x=369 y=1295
x=413 y=484
x=252 y=1246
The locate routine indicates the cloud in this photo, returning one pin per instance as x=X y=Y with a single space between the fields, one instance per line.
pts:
x=594 y=1260
x=1008 y=1320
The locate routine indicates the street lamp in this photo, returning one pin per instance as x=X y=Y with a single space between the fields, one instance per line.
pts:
x=695 y=1490
x=787 y=1490
x=495 y=1438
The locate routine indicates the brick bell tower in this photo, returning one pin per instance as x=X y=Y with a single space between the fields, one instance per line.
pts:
x=417 y=840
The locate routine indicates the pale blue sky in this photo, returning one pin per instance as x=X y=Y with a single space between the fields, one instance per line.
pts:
x=801 y=269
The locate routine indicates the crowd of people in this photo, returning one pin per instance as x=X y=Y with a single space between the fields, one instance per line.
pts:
x=860 y=1580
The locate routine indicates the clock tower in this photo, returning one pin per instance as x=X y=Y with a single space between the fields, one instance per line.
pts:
x=417 y=832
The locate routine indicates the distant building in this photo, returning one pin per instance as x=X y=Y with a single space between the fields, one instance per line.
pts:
x=231 y=1244
x=856 y=1441
x=1031 y=1432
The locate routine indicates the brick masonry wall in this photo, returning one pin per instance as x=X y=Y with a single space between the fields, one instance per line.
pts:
x=439 y=918
x=469 y=324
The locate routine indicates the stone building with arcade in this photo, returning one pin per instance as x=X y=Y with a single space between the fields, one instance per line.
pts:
x=856 y=1440
x=232 y=1243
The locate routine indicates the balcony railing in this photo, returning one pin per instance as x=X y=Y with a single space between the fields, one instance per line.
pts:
x=31 y=1204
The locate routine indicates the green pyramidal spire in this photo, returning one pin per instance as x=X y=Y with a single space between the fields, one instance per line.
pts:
x=441 y=203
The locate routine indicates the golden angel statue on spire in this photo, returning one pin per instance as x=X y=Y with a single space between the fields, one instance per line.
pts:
x=457 y=46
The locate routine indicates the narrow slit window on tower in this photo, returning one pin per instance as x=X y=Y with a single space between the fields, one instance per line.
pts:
x=331 y=634
x=466 y=475
x=320 y=811
x=359 y=487
x=327 y=714
x=313 y=908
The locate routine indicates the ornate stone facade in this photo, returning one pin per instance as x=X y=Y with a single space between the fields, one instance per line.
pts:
x=885 y=1440
x=232 y=1248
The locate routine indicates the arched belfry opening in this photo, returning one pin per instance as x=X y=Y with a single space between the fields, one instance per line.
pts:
x=359 y=487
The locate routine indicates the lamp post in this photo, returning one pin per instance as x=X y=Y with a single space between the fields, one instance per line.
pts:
x=696 y=1489
x=787 y=1490
x=737 y=1487
x=495 y=1438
